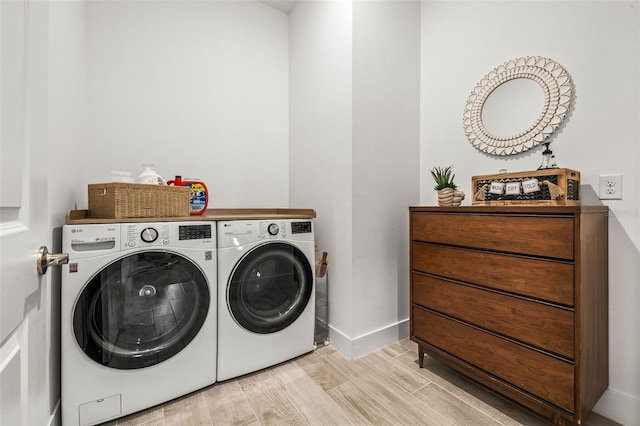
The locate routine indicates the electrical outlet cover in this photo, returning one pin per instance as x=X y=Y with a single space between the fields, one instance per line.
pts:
x=610 y=187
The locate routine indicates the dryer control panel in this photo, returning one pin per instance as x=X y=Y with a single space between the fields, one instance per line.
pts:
x=240 y=232
x=272 y=230
x=303 y=227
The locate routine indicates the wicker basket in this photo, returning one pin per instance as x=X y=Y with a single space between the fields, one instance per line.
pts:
x=556 y=187
x=130 y=200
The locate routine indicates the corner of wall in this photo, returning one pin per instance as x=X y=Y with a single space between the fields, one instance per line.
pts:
x=619 y=407
x=370 y=342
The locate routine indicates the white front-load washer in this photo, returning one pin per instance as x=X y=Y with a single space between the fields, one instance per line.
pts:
x=138 y=316
x=266 y=293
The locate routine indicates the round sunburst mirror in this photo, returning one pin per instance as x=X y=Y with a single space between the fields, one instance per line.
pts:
x=517 y=105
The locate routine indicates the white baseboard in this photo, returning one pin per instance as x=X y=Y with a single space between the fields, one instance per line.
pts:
x=619 y=407
x=369 y=342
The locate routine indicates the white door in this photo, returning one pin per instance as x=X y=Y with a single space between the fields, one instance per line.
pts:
x=25 y=308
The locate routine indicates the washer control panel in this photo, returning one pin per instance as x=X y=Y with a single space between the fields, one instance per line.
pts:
x=149 y=235
x=143 y=234
x=194 y=232
x=91 y=238
x=162 y=234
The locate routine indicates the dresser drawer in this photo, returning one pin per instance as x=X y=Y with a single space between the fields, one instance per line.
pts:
x=549 y=236
x=538 y=278
x=547 y=377
x=544 y=326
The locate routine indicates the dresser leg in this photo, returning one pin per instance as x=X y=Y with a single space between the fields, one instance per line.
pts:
x=420 y=356
x=558 y=420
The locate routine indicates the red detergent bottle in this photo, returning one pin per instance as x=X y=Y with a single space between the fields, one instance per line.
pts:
x=199 y=196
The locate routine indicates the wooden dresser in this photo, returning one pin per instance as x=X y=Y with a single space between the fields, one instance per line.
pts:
x=515 y=298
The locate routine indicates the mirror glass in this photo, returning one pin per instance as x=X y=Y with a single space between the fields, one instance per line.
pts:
x=513 y=107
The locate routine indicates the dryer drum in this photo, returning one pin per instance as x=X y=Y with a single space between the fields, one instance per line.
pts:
x=270 y=287
x=141 y=310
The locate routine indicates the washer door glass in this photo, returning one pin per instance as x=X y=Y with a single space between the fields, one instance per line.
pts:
x=141 y=310
x=270 y=287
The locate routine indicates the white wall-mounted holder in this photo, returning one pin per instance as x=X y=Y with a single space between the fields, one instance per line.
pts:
x=557 y=88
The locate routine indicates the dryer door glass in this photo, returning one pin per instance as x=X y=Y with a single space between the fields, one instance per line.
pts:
x=270 y=287
x=141 y=310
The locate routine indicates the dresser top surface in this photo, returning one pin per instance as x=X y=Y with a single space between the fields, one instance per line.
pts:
x=522 y=209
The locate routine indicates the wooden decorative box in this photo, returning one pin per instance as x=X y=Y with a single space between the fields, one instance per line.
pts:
x=130 y=200
x=556 y=187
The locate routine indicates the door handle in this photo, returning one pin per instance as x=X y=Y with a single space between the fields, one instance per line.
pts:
x=44 y=259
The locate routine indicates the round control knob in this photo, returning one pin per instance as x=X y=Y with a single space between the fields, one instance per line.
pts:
x=149 y=235
x=273 y=229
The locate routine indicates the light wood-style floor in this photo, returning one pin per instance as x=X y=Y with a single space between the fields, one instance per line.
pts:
x=324 y=388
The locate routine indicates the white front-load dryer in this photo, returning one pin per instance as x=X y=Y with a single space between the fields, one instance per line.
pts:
x=266 y=293
x=138 y=316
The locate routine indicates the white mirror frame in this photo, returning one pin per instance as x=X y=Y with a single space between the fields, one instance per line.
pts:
x=557 y=87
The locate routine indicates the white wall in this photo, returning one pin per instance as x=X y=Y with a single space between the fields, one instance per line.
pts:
x=64 y=129
x=67 y=105
x=320 y=139
x=386 y=143
x=198 y=89
x=598 y=44
x=354 y=156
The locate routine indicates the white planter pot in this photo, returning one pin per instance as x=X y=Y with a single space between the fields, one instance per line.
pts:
x=449 y=197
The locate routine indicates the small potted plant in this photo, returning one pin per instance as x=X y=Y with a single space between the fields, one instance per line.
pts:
x=448 y=192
